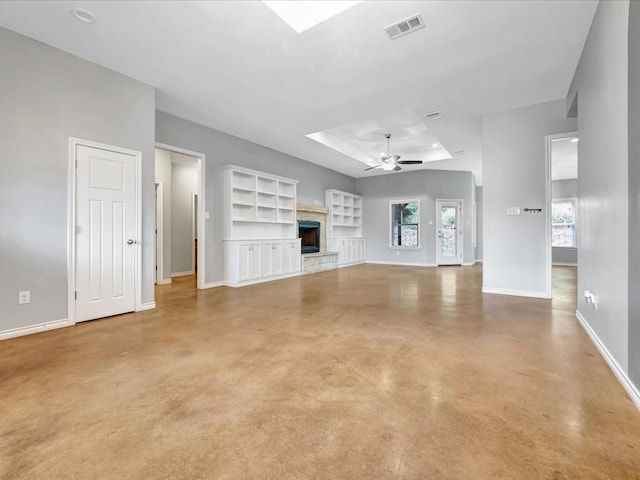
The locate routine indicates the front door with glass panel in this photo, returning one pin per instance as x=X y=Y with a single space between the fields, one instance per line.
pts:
x=448 y=232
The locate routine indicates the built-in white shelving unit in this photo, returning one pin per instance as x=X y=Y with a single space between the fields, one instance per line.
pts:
x=344 y=227
x=260 y=239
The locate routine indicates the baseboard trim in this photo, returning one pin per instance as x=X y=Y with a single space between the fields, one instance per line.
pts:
x=515 y=293
x=625 y=381
x=166 y=281
x=212 y=285
x=562 y=264
x=343 y=265
x=146 y=306
x=40 y=327
x=182 y=274
x=246 y=283
x=402 y=264
x=469 y=264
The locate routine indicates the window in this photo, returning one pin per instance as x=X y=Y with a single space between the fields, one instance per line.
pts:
x=563 y=223
x=405 y=224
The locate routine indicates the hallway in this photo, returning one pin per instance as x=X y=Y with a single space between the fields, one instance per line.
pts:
x=368 y=372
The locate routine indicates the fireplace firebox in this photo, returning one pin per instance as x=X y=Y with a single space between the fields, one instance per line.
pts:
x=309 y=232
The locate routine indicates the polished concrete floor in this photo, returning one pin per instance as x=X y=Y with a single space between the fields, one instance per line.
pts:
x=368 y=372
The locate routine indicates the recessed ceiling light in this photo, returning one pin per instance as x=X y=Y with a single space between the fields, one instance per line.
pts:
x=435 y=145
x=302 y=15
x=575 y=140
x=84 y=15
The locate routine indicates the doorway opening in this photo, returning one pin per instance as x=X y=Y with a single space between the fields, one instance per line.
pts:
x=562 y=152
x=179 y=216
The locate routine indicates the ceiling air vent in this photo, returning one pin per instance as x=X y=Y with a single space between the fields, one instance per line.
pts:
x=432 y=115
x=405 y=26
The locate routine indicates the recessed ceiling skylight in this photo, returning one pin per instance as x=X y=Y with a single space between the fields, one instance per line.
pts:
x=302 y=15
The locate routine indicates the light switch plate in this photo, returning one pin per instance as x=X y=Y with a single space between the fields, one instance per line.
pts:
x=24 y=297
x=513 y=210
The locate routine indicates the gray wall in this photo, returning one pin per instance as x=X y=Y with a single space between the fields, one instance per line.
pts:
x=564 y=189
x=479 y=221
x=514 y=251
x=222 y=149
x=634 y=193
x=163 y=174
x=46 y=96
x=426 y=185
x=601 y=83
x=184 y=183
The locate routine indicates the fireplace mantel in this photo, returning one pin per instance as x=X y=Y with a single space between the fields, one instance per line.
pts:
x=301 y=207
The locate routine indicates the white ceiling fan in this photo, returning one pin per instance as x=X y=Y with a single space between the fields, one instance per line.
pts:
x=390 y=162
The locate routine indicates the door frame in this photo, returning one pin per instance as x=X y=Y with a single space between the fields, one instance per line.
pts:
x=200 y=167
x=159 y=237
x=72 y=219
x=460 y=239
x=547 y=207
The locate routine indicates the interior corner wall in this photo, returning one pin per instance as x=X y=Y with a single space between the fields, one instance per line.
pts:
x=513 y=171
x=634 y=194
x=163 y=174
x=425 y=185
x=222 y=149
x=601 y=83
x=46 y=97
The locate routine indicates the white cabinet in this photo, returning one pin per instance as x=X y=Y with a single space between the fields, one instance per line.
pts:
x=271 y=258
x=291 y=257
x=248 y=264
x=350 y=250
x=252 y=261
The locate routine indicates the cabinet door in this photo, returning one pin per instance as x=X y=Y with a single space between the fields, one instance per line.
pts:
x=342 y=251
x=291 y=256
x=271 y=258
x=249 y=259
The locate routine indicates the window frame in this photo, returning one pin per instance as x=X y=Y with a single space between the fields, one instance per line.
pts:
x=574 y=201
x=391 y=225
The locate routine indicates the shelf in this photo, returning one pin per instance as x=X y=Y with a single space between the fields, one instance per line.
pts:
x=244 y=204
x=270 y=207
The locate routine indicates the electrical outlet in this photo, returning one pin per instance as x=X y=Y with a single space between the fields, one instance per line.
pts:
x=24 y=297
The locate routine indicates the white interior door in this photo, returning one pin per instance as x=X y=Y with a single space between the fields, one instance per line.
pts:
x=448 y=232
x=105 y=234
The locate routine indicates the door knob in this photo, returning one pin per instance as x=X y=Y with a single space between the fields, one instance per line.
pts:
x=130 y=241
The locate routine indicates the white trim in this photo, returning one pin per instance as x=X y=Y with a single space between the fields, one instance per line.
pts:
x=470 y=264
x=71 y=222
x=517 y=293
x=625 y=381
x=166 y=281
x=547 y=206
x=246 y=283
x=214 y=285
x=159 y=232
x=402 y=264
x=201 y=168
x=146 y=306
x=182 y=274
x=563 y=264
x=350 y=264
x=37 y=328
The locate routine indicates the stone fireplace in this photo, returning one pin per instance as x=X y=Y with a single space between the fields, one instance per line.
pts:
x=319 y=260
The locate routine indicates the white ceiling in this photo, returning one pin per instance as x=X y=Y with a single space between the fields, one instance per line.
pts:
x=237 y=67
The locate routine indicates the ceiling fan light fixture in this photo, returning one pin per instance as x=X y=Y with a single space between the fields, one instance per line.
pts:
x=388 y=167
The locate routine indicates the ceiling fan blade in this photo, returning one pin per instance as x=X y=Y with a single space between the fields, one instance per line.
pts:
x=396 y=168
x=371 y=168
x=410 y=162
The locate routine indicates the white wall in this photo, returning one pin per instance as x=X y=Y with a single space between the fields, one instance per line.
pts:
x=46 y=97
x=222 y=149
x=514 y=247
x=163 y=174
x=601 y=85
x=427 y=186
x=184 y=184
